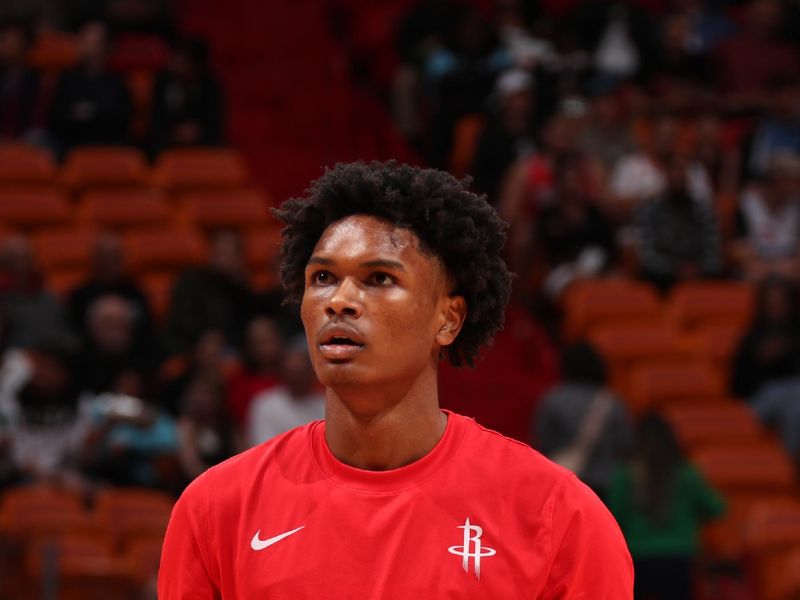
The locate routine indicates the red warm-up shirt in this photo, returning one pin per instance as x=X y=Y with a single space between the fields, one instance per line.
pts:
x=480 y=516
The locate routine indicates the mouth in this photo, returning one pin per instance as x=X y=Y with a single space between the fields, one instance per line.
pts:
x=340 y=346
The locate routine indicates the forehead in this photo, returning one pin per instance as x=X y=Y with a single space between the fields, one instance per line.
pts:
x=365 y=237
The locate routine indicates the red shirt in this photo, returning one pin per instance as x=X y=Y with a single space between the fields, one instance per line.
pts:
x=480 y=516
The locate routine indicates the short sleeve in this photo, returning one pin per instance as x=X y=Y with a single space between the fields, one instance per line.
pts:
x=590 y=560
x=184 y=573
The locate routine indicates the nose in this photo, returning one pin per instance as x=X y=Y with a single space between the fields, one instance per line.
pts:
x=345 y=300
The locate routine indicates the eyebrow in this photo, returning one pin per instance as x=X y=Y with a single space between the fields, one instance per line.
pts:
x=371 y=264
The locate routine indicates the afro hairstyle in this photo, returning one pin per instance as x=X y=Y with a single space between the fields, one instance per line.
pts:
x=453 y=224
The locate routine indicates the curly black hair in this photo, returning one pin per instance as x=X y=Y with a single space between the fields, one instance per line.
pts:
x=455 y=225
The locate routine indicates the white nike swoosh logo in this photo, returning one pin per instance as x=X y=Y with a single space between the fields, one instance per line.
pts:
x=257 y=544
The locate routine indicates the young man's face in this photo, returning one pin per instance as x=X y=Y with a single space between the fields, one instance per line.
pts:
x=376 y=308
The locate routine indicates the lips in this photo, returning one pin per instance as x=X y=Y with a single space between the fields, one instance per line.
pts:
x=340 y=342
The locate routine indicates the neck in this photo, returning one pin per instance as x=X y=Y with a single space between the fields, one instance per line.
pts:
x=384 y=429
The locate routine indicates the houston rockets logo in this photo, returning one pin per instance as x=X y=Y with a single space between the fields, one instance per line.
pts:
x=472 y=548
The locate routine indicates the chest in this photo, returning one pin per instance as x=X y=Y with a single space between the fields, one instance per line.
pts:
x=400 y=545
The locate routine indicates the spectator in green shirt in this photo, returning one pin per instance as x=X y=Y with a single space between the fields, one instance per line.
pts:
x=660 y=501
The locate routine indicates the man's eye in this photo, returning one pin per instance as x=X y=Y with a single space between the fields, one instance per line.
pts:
x=382 y=279
x=321 y=278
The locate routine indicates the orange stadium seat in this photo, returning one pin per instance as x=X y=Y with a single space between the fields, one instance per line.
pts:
x=60 y=248
x=777 y=576
x=29 y=207
x=25 y=163
x=771 y=536
x=716 y=343
x=695 y=305
x=184 y=168
x=753 y=470
x=121 y=208
x=658 y=384
x=704 y=425
x=28 y=510
x=86 y=566
x=128 y=512
x=143 y=555
x=240 y=208
x=625 y=346
x=61 y=282
x=164 y=249
x=53 y=51
x=262 y=246
x=104 y=166
x=609 y=301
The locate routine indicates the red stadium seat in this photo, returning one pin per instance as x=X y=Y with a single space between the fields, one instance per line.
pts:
x=105 y=166
x=658 y=384
x=53 y=51
x=24 y=163
x=707 y=425
x=64 y=248
x=164 y=249
x=124 y=208
x=240 y=208
x=200 y=168
x=609 y=301
x=754 y=469
x=698 y=304
x=27 y=207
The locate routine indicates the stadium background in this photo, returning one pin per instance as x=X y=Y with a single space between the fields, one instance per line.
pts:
x=646 y=154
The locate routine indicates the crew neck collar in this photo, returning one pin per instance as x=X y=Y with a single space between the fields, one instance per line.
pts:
x=392 y=479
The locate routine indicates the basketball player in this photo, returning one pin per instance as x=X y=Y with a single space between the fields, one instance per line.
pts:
x=390 y=497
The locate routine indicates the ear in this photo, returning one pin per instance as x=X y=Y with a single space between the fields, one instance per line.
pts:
x=454 y=312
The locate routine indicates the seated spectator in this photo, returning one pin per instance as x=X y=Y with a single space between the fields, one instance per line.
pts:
x=768 y=224
x=606 y=136
x=215 y=296
x=110 y=346
x=91 y=104
x=124 y=440
x=31 y=312
x=682 y=75
x=677 y=235
x=769 y=352
x=643 y=174
x=205 y=430
x=209 y=354
x=778 y=131
x=187 y=100
x=108 y=276
x=508 y=136
x=19 y=84
x=261 y=366
x=573 y=236
x=41 y=409
x=580 y=423
x=297 y=402
x=661 y=502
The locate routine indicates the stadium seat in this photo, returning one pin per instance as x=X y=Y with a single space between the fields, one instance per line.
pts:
x=164 y=249
x=30 y=510
x=771 y=536
x=53 y=51
x=753 y=470
x=128 y=512
x=28 y=207
x=104 y=166
x=143 y=555
x=61 y=282
x=240 y=208
x=25 y=163
x=124 y=208
x=777 y=576
x=625 y=346
x=85 y=567
x=661 y=383
x=696 y=305
x=63 y=248
x=609 y=301
x=698 y=426
x=715 y=343
x=199 y=168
